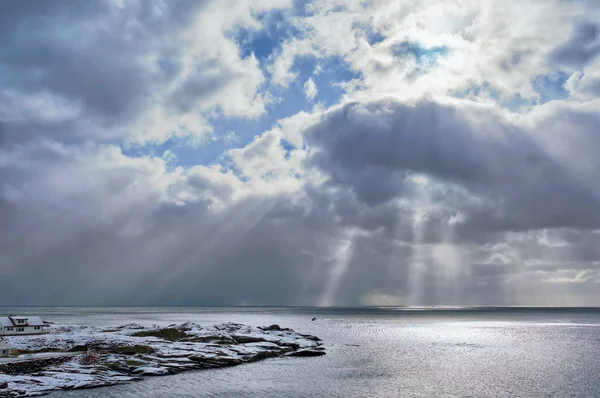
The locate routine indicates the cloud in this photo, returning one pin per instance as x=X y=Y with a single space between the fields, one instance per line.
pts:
x=106 y=226
x=482 y=43
x=584 y=85
x=450 y=157
x=310 y=89
x=123 y=70
x=373 y=148
x=581 y=48
x=106 y=223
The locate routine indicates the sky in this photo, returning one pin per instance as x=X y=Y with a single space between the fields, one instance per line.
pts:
x=298 y=152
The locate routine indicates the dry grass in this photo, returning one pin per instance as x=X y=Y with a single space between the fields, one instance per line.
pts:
x=91 y=357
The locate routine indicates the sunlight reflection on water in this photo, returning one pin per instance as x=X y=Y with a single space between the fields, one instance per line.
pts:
x=373 y=353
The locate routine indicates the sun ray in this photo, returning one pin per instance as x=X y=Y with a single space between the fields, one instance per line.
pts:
x=341 y=260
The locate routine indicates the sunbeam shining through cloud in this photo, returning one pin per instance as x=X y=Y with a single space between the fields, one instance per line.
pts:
x=279 y=152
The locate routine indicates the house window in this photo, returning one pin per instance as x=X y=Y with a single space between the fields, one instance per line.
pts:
x=9 y=329
x=36 y=327
x=20 y=329
x=4 y=351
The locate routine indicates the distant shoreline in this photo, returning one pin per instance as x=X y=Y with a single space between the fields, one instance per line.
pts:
x=471 y=308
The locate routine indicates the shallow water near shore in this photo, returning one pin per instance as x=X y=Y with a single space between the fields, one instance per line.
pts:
x=381 y=352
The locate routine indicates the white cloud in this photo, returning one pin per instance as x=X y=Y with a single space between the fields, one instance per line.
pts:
x=169 y=156
x=310 y=89
x=504 y=46
x=136 y=71
x=281 y=68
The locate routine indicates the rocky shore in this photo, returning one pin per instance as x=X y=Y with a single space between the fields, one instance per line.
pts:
x=72 y=356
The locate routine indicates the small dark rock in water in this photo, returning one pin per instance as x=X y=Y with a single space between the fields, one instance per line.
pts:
x=314 y=319
x=274 y=328
x=3 y=385
x=309 y=337
x=307 y=353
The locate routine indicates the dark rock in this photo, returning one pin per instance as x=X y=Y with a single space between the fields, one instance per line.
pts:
x=263 y=355
x=173 y=334
x=275 y=328
x=309 y=337
x=306 y=353
x=213 y=339
x=214 y=362
x=288 y=345
x=32 y=366
x=248 y=339
x=131 y=350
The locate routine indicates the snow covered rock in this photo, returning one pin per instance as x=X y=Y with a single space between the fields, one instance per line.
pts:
x=80 y=356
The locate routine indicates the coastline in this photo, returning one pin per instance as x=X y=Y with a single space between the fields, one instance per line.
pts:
x=82 y=356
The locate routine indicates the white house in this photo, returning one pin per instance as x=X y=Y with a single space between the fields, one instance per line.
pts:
x=4 y=349
x=15 y=325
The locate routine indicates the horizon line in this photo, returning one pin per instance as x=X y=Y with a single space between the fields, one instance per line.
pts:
x=396 y=307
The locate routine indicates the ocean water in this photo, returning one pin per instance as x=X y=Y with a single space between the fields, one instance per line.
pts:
x=483 y=352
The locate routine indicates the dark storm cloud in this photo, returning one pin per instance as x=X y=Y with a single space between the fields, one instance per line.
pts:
x=92 y=67
x=371 y=148
x=582 y=48
x=99 y=232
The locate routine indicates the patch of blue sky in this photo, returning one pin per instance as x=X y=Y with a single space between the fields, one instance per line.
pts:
x=227 y=164
x=303 y=8
x=277 y=28
x=333 y=71
x=306 y=8
x=551 y=86
x=367 y=3
x=425 y=57
x=227 y=133
x=287 y=147
x=289 y=101
x=238 y=132
x=373 y=36
x=176 y=145
x=477 y=90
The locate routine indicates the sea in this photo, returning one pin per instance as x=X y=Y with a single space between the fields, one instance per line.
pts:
x=381 y=352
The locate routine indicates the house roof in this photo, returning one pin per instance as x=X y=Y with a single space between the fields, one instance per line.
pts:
x=29 y=321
